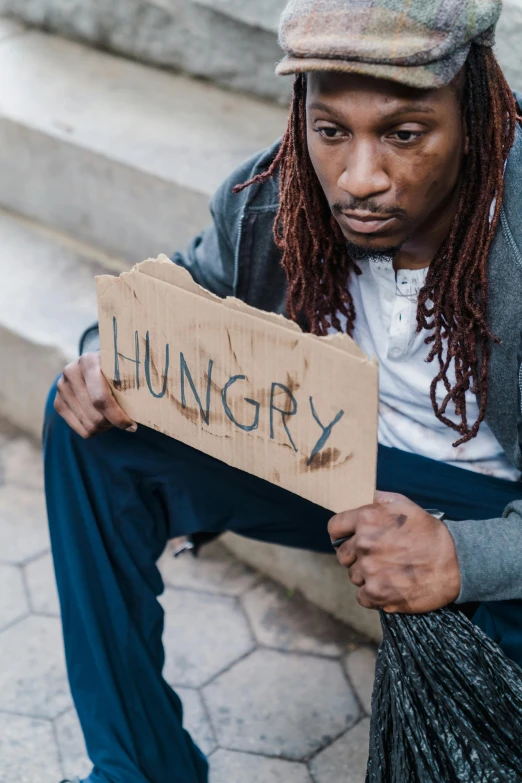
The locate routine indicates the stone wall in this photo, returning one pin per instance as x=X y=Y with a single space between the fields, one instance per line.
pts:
x=232 y=42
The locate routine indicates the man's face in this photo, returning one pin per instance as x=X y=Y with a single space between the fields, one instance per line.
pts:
x=387 y=156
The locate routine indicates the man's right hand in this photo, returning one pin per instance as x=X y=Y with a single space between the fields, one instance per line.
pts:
x=85 y=400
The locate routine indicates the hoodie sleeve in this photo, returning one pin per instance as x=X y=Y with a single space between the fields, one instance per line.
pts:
x=489 y=552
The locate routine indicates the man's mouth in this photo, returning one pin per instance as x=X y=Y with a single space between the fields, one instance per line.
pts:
x=367 y=222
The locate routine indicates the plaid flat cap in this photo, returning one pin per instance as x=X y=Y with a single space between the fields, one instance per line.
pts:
x=421 y=43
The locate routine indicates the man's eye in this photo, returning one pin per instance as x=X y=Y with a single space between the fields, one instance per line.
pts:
x=329 y=133
x=407 y=135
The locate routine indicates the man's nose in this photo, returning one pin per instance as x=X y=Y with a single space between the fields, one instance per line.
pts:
x=364 y=175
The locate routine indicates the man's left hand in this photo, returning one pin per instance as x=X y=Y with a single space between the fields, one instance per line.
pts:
x=401 y=558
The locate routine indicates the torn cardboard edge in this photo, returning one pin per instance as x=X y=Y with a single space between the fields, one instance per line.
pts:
x=162 y=268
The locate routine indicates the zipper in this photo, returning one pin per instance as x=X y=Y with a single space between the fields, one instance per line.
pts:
x=238 y=249
x=520 y=386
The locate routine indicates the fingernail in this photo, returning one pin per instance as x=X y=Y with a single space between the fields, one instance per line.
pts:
x=132 y=428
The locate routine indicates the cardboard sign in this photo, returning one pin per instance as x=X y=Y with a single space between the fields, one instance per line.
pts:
x=244 y=386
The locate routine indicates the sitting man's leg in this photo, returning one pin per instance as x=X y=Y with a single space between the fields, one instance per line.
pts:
x=107 y=533
x=113 y=503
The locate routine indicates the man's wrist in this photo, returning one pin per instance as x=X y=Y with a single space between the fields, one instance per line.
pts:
x=449 y=566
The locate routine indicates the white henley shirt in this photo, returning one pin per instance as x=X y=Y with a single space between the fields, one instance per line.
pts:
x=386 y=327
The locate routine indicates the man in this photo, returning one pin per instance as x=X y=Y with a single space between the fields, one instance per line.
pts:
x=395 y=198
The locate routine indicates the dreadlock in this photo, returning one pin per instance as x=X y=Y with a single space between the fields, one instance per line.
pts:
x=453 y=304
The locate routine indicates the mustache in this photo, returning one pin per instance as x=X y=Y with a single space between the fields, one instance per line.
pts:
x=368 y=205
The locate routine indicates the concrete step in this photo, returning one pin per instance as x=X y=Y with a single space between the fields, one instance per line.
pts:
x=114 y=153
x=47 y=298
x=231 y=42
x=263 y=15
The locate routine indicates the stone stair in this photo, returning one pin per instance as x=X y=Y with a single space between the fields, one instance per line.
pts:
x=261 y=14
x=114 y=153
x=119 y=156
x=47 y=299
x=230 y=42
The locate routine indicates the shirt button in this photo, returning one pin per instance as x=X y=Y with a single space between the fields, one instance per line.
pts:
x=395 y=353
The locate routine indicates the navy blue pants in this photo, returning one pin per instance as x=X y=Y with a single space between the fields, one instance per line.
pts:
x=113 y=503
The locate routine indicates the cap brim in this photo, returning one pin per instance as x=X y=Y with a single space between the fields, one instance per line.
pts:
x=422 y=77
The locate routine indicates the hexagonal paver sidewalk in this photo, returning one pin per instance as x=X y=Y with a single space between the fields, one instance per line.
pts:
x=204 y=634
x=345 y=760
x=273 y=689
x=281 y=705
x=227 y=766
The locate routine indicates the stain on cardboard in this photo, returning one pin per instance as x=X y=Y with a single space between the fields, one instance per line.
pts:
x=292 y=384
x=131 y=289
x=329 y=458
x=125 y=384
x=192 y=414
x=232 y=351
x=160 y=379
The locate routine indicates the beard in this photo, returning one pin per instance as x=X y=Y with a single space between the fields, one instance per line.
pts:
x=361 y=252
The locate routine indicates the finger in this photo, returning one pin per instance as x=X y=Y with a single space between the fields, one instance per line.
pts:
x=66 y=413
x=102 y=399
x=363 y=599
x=92 y=421
x=338 y=543
x=74 y=390
x=346 y=554
x=77 y=396
x=372 y=594
x=356 y=575
x=342 y=525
